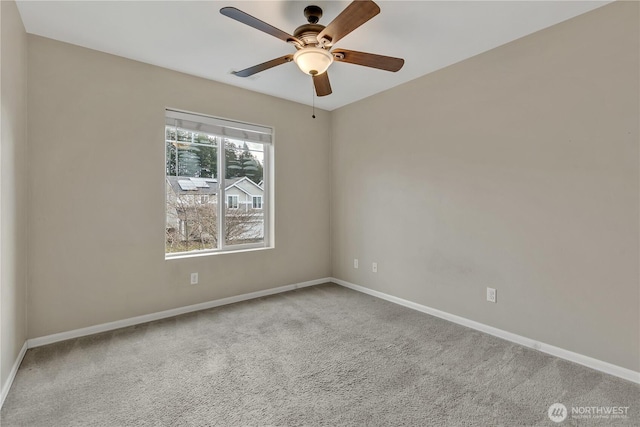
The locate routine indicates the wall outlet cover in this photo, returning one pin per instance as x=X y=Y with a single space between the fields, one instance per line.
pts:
x=492 y=295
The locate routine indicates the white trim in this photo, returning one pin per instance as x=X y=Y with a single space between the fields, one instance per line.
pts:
x=589 y=362
x=12 y=375
x=598 y=365
x=244 y=178
x=76 y=333
x=247 y=247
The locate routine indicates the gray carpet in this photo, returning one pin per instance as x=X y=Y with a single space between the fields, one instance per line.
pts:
x=324 y=355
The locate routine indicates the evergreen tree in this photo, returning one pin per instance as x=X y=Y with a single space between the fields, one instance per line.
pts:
x=171 y=151
x=249 y=164
x=188 y=161
x=207 y=156
x=171 y=159
x=232 y=161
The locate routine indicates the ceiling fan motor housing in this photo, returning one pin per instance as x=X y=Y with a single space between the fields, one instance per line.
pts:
x=308 y=33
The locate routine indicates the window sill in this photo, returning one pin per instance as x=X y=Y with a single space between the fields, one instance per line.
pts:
x=183 y=255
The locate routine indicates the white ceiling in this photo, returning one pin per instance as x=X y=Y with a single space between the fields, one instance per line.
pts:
x=194 y=38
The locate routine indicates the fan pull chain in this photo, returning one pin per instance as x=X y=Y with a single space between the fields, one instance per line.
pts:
x=313 y=100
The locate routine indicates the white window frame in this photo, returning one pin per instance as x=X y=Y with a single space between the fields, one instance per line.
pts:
x=235 y=131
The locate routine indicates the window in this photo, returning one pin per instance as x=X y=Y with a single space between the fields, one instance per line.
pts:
x=209 y=161
x=232 y=202
x=257 y=202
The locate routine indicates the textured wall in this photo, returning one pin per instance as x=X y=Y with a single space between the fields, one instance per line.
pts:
x=13 y=188
x=516 y=169
x=96 y=154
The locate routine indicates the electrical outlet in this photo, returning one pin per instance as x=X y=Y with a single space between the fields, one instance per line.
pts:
x=492 y=295
x=355 y=263
x=374 y=267
x=194 y=278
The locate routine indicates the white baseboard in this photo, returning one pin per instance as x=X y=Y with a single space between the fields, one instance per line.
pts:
x=76 y=333
x=590 y=362
x=14 y=370
x=581 y=359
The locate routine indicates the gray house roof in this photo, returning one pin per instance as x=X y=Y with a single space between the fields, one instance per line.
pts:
x=182 y=185
x=246 y=185
x=193 y=186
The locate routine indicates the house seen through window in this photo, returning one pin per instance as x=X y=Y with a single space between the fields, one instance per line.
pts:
x=210 y=160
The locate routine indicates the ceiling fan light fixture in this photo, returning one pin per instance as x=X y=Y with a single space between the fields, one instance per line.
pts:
x=313 y=60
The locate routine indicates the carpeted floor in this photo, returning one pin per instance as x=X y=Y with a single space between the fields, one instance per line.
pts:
x=323 y=355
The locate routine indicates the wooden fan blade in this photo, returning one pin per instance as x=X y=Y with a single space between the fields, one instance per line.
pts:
x=321 y=82
x=354 y=15
x=264 y=66
x=251 y=21
x=387 y=63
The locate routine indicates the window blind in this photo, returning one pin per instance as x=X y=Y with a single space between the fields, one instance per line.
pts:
x=221 y=127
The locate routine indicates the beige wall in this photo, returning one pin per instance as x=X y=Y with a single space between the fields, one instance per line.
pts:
x=96 y=162
x=516 y=169
x=13 y=187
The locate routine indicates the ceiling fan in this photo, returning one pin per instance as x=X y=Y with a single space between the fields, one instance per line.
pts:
x=313 y=43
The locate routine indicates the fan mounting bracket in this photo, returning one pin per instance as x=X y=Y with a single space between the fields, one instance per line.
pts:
x=313 y=14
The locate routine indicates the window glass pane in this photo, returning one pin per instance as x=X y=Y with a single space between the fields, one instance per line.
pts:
x=232 y=202
x=257 y=202
x=191 y=190
x=244 y=179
